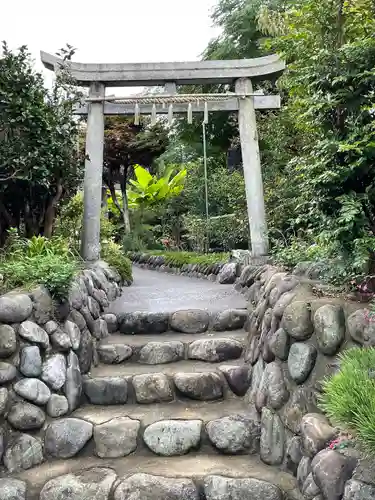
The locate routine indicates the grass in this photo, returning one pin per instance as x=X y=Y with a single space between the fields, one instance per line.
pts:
x=179 y=259
x=348 y=397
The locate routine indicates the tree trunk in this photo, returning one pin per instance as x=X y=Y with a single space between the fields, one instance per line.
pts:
x=51 y=211
x=8 y=218
x=125 y=206
x=114 y=196
x=125 y=211
x=29 y=223
x=340 y=24
x=105 y=201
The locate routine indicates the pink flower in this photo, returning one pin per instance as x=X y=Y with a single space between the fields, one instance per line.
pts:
x=334 y=443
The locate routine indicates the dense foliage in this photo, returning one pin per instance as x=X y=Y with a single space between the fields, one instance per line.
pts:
x=318 y=151
x=148 y=191
x=349 y=396
x=330 y=48
x=39 y=160
x=127 y=145
x=69 y=227
x=183 y=219
x=180 y=259
x=38 y=261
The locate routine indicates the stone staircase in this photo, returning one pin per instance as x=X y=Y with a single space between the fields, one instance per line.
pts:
x=165 y=410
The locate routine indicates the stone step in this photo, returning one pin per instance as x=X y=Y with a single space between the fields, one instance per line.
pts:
x=179 y=320
x=161 y=349
x=193 y=467
x=172 y=429
x=147 y=415
x=197 y=380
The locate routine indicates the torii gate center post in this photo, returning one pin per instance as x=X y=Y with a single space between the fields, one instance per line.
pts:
x=242 y=72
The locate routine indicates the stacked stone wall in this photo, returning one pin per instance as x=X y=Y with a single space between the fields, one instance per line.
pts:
x=294 y=341
x=45 y=348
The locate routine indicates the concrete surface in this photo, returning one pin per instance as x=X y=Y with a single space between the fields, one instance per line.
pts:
x=128 y=369
x=154 y=291
x=148 y=414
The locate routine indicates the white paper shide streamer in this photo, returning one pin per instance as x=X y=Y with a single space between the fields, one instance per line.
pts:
x=153 y=115
x=137 y=113
x=170 y=114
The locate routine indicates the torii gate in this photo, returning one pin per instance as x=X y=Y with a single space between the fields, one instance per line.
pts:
x=241 y=72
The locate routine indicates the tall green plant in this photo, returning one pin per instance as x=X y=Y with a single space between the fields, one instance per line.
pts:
x=150 y=191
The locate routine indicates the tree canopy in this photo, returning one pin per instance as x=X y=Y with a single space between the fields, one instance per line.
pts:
x=317 y=151
x=39 y=160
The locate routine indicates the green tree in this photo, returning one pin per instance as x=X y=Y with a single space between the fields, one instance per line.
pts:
x=126 y=145
x=186 y=214
x=39 y=161
x=241 y=37
x=330 y=50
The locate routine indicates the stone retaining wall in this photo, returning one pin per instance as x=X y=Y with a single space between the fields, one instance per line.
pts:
x=44 y=350
x=293 y=342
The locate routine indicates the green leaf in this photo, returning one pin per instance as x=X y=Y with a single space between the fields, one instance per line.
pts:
x=144 y=178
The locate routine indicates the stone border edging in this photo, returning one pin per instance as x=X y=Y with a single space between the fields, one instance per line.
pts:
x=182 y=321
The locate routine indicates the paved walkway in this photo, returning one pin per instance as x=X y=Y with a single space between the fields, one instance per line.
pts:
x=163 y=292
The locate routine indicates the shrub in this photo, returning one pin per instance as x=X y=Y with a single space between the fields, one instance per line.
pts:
x=37 y=261
x=141 y=238
x=69 y=223
x=225 y=231
x=113 y=254
x=53 y=271
x=179 y=259
x=348 y=397
x=297 y=250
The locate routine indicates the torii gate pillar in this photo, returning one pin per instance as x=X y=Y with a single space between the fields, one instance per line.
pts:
x=252 y=169
x=92 y=200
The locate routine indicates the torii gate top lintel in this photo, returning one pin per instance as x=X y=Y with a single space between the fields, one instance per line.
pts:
x=182 y=73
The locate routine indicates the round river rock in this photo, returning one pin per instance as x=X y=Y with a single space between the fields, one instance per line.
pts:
x=301 y=361
x=173 y=437
x=205 y=386
x=329 y=323
x=190 y=321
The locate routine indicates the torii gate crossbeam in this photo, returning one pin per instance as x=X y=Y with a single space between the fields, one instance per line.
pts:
x=241 y=72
